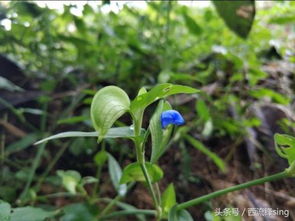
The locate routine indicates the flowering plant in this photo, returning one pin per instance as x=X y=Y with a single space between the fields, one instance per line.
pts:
x=109 y=104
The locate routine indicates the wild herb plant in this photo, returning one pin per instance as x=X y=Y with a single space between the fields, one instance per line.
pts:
x=108 y=105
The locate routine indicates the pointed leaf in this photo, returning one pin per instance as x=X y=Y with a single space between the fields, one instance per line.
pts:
x=213 y=156
x=116 y=174
x=133 y=172
x=159 y=136
x=158 y=92
x=192 y=25
x=237 y=15
x=108 y=104
x=115 y=132
x=168 y=199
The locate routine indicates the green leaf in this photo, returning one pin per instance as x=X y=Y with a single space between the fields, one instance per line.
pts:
x=156 y=93
x=101 y=157
x=276 y=97
x=203 y=110
x=159 y=136
x=70 y=179
x=192 y=25
x=78 y=212
x=141 y=91
x=198 y=145
x=30 y=213
x=179 y=215
x=237 y=15
x=8 y=85
x=133 y=172
x=115 y=132
x=88 y=180
x=23 y=213
x=115 y=172
x=72 y=120
x=168 y=199
x=5 y=210
x=285 y=146
x=21 y=144
x=108 y=104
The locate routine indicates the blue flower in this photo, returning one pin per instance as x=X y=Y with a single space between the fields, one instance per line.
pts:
x=171 y=117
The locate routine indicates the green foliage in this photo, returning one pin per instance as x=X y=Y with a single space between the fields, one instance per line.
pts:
x=133 y=172
x=101 y=157
x=78 y=212
x=168 y=199
x=116 y=175
x=237 y=15
x=115 y=132
x=23 y=213
x=159 y=136
x=179 y=215
x=156 y=93
x=70 y=180
x=198 y=145
x=285 y=147
x=108 y=105
x=66 y=56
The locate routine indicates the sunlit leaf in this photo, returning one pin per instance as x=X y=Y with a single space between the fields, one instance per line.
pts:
x=70 y=179
x=192 y=25
x=108 y=104
x=133 y=172
x=285 y=146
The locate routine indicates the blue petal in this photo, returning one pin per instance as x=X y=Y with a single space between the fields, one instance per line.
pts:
x=171 y=117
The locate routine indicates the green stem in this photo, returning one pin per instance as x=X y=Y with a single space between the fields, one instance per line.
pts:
x=141 y=159
x=35 y=164
x=110 y=205
x=149 y=183
x=215 y=194
x=50 y=166
x=130 y=212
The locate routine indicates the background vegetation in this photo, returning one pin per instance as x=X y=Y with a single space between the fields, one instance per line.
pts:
x=53 y=61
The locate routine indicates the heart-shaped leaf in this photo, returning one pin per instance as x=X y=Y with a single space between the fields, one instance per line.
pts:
x=108 y=104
